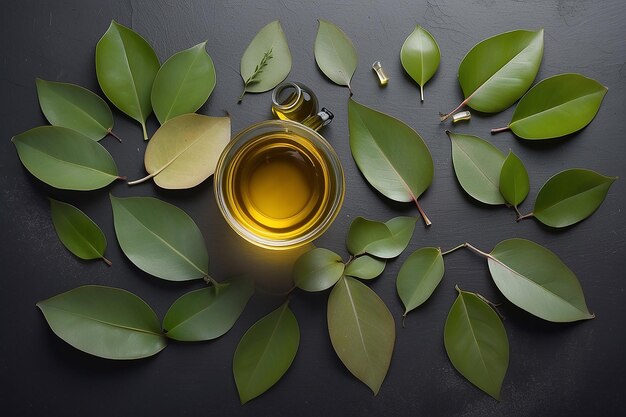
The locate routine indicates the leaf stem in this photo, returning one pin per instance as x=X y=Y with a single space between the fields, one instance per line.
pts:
x=525 y=216
x=106 y=261
x=477 y=251
x=517 y=211
x=468 y=246
x=491 y=304
x=422 y=93
x=403 y=319
x=140 y=180
x=462 y=245
x=444 y=117
x=422 y=213
x=145 y=132
x=110 y=132
x=210 y=280
x=245 y=85
x=500 y=129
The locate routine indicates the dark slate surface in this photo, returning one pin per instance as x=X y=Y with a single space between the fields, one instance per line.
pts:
x=555 y=369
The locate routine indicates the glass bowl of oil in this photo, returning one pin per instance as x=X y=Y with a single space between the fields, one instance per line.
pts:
x=279 y=183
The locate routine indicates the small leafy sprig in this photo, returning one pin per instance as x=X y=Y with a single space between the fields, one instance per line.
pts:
x=266 y=62
x=258 y=70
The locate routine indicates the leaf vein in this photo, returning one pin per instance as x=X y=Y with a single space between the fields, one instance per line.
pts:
x=80 y=235
x=535 y=284
x=269 y=340
x=111 y=324
x=62 y=161
x=551 y=109
x=180 y=84
x=387 y=160
x=573 y=196
x=165 y=242
x=80 y=109
x=130 y=73
x=478 y=167
x=358 y=321
x=471 y=327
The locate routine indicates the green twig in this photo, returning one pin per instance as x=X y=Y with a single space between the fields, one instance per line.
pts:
x=427 y=221
x=210 y=280
x=462 y=245
x=110 y=132
x=257 y=71
x=500 y=129
x=470 y=247
x=525 y=216
x=491 y=304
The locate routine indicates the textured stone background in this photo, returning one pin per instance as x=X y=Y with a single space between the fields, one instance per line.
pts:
x=555 y=370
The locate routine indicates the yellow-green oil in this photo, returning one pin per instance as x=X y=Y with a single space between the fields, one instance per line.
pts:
x=296 y=105
x=278 y=186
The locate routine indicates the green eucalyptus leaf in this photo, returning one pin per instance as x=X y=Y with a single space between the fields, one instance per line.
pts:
x=335 y=54
x=126 y=66
x=183 y=84
x=420 y=56
x=267 y=60
x=74 y=107
x=514 y=182
x=401 y=229
x=207 y=313
x=365 y=267
x=384 y=240
x=265 y=352
x=477 y=165
x=476 y=342
x=317 y=270
x=536 y=280
x=557 y=106
x=65 y=159
x=363 y=233
x=498 y=71
x=571 y=196
x=106 y=322
x=418 y=277
x=159 y=238
x=361 y=330
x=393 y=157
x=78 y=233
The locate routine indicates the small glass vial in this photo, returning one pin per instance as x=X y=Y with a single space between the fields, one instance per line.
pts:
x=296 y=102
x=383 y=79
x=461 y=116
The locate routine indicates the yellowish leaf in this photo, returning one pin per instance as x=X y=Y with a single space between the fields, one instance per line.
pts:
x=185 y=149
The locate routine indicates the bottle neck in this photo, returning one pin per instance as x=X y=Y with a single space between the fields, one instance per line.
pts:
x=319 y=120
x=287 y=97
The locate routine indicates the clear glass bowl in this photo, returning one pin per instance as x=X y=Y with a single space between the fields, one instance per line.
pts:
x=233 y=159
